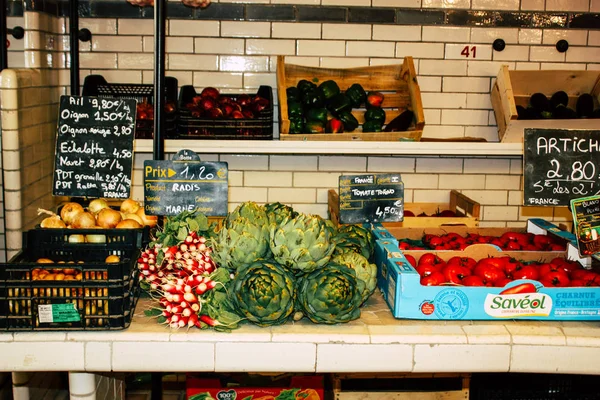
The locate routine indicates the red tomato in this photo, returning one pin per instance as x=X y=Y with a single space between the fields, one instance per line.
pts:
x=555 y=279
x=427 y=269
x=455 y=273
x=473 y=280
x=411 y=260
x=432 y=259
x=510 y=264
x=462 y=261
x=519 y=237
x=435 y=279
x=526 y=272
x=488 y=273
x=545 y=268
x=502 y=282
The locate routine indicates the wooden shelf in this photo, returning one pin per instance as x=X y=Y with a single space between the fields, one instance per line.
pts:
x=336 y=148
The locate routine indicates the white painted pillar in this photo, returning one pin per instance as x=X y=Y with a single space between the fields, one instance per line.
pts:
x=82 y=386
x=20 y=381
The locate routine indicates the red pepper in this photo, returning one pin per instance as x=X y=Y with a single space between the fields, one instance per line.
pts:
x=334 y=125
x=374 y=99
x=520 y=289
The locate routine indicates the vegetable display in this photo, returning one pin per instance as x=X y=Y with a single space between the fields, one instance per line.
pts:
x=557 y=107
x=262 y=264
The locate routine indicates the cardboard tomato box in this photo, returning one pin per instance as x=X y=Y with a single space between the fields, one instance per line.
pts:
x=400 y=285
x=254 y=387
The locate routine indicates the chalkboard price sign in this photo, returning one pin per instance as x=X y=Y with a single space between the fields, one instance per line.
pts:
x=185 y=184
x=560 y=165
x=371 y=198
x=94 y=147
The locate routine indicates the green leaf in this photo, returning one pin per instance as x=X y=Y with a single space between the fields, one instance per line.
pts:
x=182 y=233
x=153 y=312
x=202 y=396
x=193 y=224
x=287 y=394
x=161 y=319
x=248 y=397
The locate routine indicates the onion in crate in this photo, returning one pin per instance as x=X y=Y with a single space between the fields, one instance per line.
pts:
x=69 y=211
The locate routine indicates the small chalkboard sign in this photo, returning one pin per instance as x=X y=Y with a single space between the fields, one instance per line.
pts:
x=371 y=198
x=560 y=165
x=185 y=184
x=94 y=147
x=586 y=220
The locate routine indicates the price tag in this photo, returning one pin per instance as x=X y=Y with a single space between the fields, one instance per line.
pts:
x=560 y=165
x=94 y=147
x=586 y=220
x=56 y=313
x=371 y=198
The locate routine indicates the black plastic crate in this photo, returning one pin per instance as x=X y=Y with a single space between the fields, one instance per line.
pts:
x=104 y=294
x=258 y=128
x=516 y=386
x=96 y=85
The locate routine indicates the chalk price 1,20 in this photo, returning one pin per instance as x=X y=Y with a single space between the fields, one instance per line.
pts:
x=582 y=179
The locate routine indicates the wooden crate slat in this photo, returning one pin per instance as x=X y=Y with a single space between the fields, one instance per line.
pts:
x=549 y=82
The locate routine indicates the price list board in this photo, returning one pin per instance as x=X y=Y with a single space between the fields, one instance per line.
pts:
x=94 y=147
x=586 y=218
x=371 y=198
x=560 y=165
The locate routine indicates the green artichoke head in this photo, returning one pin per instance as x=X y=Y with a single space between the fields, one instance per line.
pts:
x=365 y=271
x=302 y=244
x=331 y=294
x=355 y=238
x=264 y=293
x=239 y=243
x=277 y=212
x=255 y=213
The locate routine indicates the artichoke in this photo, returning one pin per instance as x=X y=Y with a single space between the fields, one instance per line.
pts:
x=302 y=243
x=239 y=243
x=255 y=213
x=365 y=271
x=264 y=293
x=355 y=238
x=331 y=294
x=277 y=212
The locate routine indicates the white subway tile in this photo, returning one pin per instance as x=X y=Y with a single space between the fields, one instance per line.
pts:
x=343 y=62
x=491 y=197
x=246 y=162
x=479 y=101
x=252 y=80
x=443 y=67
x=435 y=165
x=562 y=66
x=420 y=50
x=291 y=30
x=495 y=5
x=184 y=61
x=322 y=196
x=218 y=79
x=530 y=36
x=293 y=163
x=347 y=357
x=464 y=117
x=593 y=67
x=98 y=60
x=342 y=163
x=270 y=46
x=533 y=5
x=304 y=61
x=347 y=31
x=574 y=37
x=509 y=182
x=567 y=5
x=432 y=116
x=194 y=28
x=460 y=182
x=245 y=29
x=527 y=66
x=516 y=166
x=172 y=44
x=487 y=166
x=443 y=131
x=430 y=196
x=135 y=61
x=117 y=43
x=357 y=3
x=316 y=179
x=515 y=198
x=594 y=37
x=444 y=100
x=595 y=6
x=292 y=195
x=267 y=179
x=243 y=63
x=311 y=209
x=397 y=33
x=397 y=3
x=489 y=133
x=500 y=213
x=420 y=181
x=390 y=164
x=479 y=51
x=99 y=26
x=218 y=46
x=488 y=35
x=430 y=83
x=545 y=53
x=452 y=357
x=487 y=68
x=370 y=49
x=321 y=48
x=492 y=118
x=389 y=61
x=446 y=4
x=512 y=53
x=242 y=194
x=446 y=34
x=583 y=54
x=235 y=178
x=135 y=26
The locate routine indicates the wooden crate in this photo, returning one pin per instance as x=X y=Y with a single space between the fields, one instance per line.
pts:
x=466 y=209
x=401 y=386
x=398 y=83
x=513 y=88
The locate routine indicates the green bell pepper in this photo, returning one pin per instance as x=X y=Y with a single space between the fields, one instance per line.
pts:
x=349 y=121
x=357 y=95
x=315 y=127
x=338 y=104
x=312 y=99
x=297 y=125
x=372 y=126
x=295 y=109
x=306 y=86
x=293 y=93
x=375 y=114
x=329 y=89
x=317 y=114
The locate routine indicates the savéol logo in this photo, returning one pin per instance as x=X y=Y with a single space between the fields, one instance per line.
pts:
x=518 y=305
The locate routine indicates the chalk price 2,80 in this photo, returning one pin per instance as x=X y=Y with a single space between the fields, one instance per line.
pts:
x=581 y=179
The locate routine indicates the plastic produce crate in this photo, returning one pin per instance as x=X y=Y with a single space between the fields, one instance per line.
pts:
x=103 y=295
x=96 y=85
x=258 y=128
x=513 y=88
x=398 y=83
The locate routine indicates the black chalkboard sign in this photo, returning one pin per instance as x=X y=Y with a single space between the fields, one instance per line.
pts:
x=94 y=147
x=371 y=198
x=560 y=165
x=185 y=184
